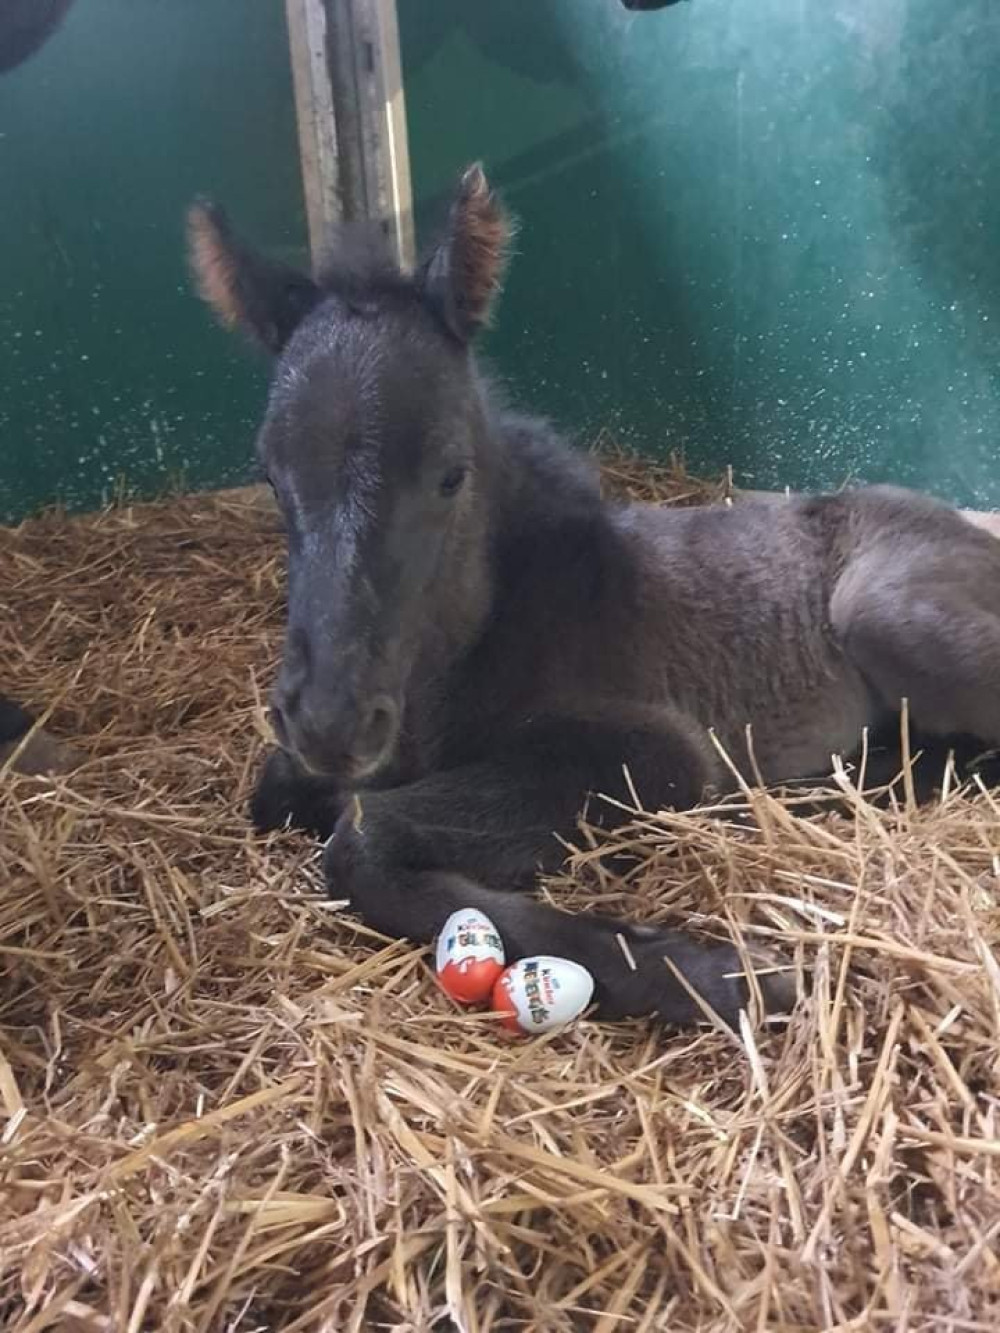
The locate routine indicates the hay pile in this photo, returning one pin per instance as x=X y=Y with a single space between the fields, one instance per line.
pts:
x=227 y=1108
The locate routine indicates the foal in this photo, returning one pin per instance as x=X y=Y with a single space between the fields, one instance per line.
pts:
x=477 y=642
x=27 y=748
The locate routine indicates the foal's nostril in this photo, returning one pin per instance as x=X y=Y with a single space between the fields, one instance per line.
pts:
x=295 y=663
x=378 y=728
x=278 y=724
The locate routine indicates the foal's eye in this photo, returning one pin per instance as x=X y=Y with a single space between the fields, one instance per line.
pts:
x=452 y=480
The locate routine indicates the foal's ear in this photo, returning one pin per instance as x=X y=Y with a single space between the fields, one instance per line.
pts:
x=264 y=299
x=463 y=275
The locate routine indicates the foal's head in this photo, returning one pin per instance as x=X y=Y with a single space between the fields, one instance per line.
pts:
x=375 y=441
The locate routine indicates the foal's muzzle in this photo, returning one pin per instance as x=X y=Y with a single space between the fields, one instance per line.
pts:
x=344 y=743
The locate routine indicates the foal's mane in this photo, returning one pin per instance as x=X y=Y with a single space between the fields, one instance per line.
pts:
x=359 y=268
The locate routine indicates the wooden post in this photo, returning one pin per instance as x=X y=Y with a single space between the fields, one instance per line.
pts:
x=318 y=148
x=351 y=114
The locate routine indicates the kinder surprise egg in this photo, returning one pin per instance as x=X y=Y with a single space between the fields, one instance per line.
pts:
x=542 y=993
x=469 y=956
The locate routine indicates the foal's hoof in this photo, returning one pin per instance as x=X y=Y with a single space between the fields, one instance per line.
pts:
x=41 y=755
x=714 y=981
x=775 y=981
x=285 y=797
x=343 y=852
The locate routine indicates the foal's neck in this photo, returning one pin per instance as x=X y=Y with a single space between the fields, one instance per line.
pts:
x=556 y=548
x=556 y=569
x=544 y=484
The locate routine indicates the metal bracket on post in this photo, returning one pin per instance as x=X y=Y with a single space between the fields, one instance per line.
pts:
x=352 y=118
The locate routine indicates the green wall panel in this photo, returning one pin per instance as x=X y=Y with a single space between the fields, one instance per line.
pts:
x=112 y=370
x=767 y=232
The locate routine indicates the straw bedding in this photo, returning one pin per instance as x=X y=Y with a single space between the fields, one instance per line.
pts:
x=225 y=1106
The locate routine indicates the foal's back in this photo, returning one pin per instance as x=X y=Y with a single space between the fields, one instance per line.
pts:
x=735 y=620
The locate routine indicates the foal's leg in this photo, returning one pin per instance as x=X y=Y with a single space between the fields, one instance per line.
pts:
x=920 y=618
x=477 y=836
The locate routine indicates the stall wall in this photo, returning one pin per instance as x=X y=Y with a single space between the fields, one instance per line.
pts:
x=763 y=231
x=113 y=372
